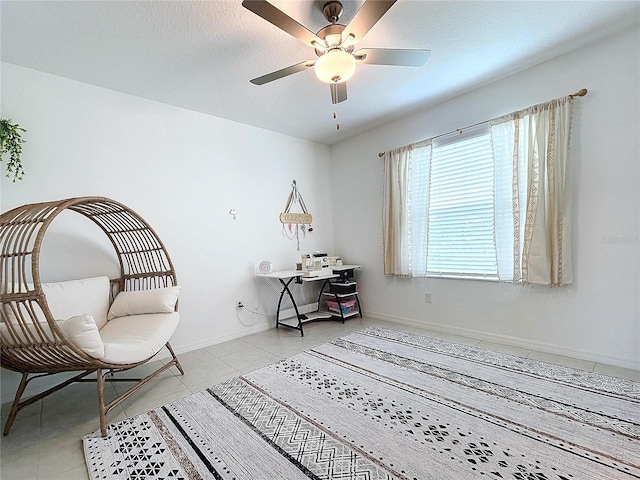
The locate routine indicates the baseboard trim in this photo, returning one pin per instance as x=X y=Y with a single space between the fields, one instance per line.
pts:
x=509 y=340
x=261 y=326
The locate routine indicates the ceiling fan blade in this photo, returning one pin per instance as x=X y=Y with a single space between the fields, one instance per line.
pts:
x=270 y=77
x=338 y=92
x=283 y=21
x=389 y=56
x=368 y=15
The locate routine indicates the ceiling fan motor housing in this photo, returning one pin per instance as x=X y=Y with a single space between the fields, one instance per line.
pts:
x=332 y=35
x=332 y=11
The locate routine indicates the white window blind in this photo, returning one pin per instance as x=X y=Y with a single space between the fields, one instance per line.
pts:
x=419 y=200
x=461 y=212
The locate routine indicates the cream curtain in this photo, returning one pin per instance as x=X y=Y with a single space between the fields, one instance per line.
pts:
x=546 y=257
x=534 y=144
x=397 y=212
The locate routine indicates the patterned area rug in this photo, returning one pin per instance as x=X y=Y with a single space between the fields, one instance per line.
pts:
x=385 y=404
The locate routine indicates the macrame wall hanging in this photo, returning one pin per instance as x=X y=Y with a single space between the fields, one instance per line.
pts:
x=294 y=223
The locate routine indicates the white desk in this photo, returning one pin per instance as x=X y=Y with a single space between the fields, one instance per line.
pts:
x=285 y=277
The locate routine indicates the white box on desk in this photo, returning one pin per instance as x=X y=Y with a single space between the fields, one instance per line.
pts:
x=325 y=272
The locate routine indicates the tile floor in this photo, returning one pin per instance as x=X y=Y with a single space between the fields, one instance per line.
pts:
x=46 y=439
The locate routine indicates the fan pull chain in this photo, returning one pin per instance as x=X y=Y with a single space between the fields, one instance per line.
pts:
x=335 y=116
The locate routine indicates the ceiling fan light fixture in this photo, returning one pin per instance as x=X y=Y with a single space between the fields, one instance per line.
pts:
x=335 y=66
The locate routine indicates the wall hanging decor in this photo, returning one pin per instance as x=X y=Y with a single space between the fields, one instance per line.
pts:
x=294 y=223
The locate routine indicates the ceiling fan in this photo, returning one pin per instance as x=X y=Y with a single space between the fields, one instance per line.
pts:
x=335 y=44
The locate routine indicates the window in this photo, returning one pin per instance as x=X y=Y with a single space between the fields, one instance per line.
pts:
x=489 y=201
x=460 y=229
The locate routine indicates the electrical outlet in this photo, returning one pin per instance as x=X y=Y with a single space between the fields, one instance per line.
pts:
x=427 y=297
x=240 y=304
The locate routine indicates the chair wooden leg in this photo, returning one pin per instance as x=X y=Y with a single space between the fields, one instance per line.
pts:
x=106 y=408
x=16 y=404
x=101 y=406
x=175 y=360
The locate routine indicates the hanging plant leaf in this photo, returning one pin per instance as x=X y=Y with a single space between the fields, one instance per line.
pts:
x=11 y=142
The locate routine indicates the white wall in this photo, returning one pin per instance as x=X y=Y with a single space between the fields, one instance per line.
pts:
x=180 y=170
x=598 y=317
x=183 y=171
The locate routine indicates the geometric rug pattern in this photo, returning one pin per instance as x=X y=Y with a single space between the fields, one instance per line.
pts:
x=386 y=404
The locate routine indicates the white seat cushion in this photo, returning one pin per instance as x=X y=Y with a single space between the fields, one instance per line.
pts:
x=80 y=330
x=16 y=335
x=136 y=338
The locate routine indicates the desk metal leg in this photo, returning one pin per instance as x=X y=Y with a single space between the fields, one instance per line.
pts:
x=358 y=304
x=324 y=284
x=286 y=290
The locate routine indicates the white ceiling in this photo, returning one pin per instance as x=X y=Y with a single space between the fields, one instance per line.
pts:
x=201 y=55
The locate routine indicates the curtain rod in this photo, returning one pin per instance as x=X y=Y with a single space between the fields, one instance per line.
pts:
x=580 y=93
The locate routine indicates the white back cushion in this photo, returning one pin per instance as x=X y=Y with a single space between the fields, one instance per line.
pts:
x=78 y=297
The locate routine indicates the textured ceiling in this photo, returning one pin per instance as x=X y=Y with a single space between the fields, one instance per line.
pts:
x=201 y=55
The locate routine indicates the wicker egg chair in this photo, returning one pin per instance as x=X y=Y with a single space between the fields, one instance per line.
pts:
x=37 y=349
